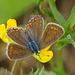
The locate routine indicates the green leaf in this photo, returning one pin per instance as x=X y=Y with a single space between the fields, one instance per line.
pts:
x=40 y=2
x=60 y=19
x=68 y=27
x=31 y=73
x=70 y=37
x=73 y=10
x=14 y=8
x=60 y=44
x=50 y=14
x=41 y=71
x=70 y=22
x=49 y=73
x=72 y=34
x=36 y=73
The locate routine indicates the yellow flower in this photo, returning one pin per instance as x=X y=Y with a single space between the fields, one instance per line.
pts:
x=44 y=55
x=3 y=30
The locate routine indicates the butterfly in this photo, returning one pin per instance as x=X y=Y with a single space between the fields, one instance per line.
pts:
x=33 y=38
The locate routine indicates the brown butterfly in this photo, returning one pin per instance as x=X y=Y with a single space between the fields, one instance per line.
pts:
x=33 y=38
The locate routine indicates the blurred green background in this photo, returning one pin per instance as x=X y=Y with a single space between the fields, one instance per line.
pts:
x=14 y=8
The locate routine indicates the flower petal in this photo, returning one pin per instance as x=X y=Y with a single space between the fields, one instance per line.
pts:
x=44 y=57
x=2 y=29
x=11 y=23
x=5 y=38
x=47 y=48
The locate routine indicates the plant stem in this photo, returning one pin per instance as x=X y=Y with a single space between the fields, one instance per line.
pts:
x=60 y=65
x=52 y=65
x=60 y=69
x=13 y=67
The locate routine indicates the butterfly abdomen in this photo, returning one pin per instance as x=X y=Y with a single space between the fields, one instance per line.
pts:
x=34 y=47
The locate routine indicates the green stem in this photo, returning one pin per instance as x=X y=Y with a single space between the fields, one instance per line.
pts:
x=13 y=67
x=60 y=64
x=60 y=69
x=52 y=65
x=61 y=60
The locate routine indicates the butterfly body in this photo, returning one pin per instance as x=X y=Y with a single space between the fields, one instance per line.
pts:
x=32 y=44
x=34 y=47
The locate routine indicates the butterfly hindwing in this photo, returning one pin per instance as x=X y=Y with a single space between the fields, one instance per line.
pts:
x=17 y=52
x=51 y=33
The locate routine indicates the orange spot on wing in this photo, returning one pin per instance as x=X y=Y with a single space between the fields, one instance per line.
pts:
x=27 y=27
x=51 y=27
x=55 y=28
x=32 y=20
x=10 y=50
x=13 y=30
x=11 y=47
x=35 y=19
x=30 y=23
x=16 y=29
x=10 y=30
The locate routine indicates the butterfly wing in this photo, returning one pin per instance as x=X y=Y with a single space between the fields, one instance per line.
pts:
x=51 y=33
x=17 y=52
x=35 y=27
x=18 y=35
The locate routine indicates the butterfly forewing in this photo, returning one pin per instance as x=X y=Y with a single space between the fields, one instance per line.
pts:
x=17 y=52
x=51 y=33
x=35 y=27
x=18 y=35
